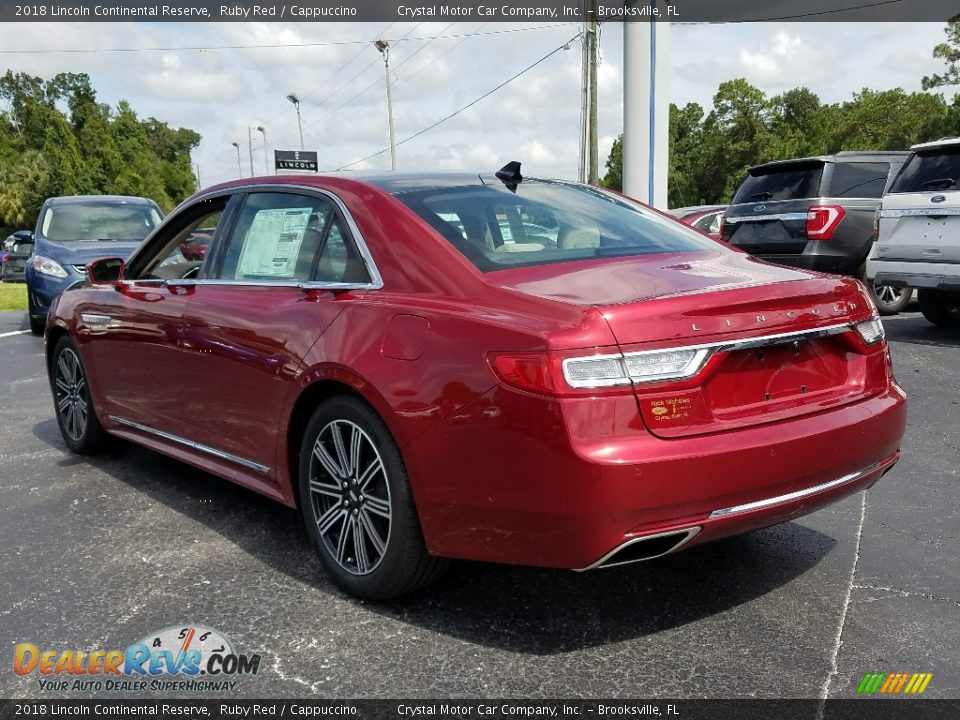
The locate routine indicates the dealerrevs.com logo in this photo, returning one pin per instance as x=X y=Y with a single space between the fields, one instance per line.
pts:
x=189 y=658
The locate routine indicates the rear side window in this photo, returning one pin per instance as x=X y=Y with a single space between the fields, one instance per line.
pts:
x=928 y=171
x=858 y=180
x=542 y=222
x=790 y=182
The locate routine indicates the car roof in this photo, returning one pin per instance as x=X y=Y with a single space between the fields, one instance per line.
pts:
x=842 y=155
x=82 y=199
x=394 y=183
x=942 y=142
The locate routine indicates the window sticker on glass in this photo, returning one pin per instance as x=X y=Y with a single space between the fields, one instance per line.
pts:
x=273 y=243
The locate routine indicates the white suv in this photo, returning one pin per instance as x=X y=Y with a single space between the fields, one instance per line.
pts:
x=918 y=231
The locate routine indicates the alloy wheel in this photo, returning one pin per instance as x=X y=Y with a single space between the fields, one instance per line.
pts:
x=71 y=394
x=350 y=497
x=888 y=294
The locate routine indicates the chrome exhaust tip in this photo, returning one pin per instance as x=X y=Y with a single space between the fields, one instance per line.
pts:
x=646 y=547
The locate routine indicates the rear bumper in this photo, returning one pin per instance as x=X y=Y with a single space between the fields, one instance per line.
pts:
x=935 y=276
x=525 y=495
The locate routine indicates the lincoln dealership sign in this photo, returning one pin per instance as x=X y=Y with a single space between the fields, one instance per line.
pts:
x=296 y=160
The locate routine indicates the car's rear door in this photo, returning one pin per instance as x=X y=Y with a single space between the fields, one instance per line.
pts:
x=276 y=283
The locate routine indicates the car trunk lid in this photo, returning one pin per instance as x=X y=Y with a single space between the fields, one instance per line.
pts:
x=778 y=341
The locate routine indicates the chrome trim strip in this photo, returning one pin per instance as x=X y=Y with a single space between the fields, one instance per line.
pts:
x=690 y=532
x=930 y=211
x=95 y=319
x=758 y=218
x=798 y=495
x=298 y=284
x=711 y=348
x=263 y=469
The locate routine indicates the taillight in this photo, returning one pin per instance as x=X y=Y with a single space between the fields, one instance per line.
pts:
x=822 y=221
x=528 y=371
x=876 y=225
x=554 y=373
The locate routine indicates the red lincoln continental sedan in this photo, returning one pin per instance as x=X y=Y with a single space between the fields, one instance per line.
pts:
x=437 y=366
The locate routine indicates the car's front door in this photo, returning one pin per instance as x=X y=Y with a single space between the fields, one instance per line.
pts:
x=137 y=327
x=276 y=285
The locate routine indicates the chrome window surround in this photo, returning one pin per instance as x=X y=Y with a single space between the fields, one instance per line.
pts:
x=236 y=459
x=930 y=211
x=376 y=280
x=710 y=348
x=798 y=495
x=756 y=218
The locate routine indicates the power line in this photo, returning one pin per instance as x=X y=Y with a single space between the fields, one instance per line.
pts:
x=372 y=85
x=442 y=55
x=469 y=105
x=50 y=51
x=334 y=74
x=463 y=37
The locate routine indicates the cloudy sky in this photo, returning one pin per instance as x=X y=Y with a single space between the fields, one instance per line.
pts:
x=227 y=87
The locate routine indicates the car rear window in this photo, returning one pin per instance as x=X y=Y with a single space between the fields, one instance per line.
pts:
x=543 y=222
x=926 y=171
x=786 y=182
x=858 y=180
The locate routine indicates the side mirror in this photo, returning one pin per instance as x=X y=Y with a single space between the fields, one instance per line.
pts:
x=105 y=271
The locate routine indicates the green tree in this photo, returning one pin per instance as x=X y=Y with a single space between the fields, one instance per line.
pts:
x=56 y=139
x=949 y=52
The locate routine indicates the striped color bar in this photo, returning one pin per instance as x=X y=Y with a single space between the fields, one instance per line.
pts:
x=894 y=683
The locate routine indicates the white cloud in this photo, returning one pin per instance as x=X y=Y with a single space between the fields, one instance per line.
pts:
x=222 y=92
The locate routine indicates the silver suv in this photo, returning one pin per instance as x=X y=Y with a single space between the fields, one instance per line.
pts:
x=918 y=231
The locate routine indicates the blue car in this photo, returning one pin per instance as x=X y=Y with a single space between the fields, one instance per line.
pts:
x=72 y=231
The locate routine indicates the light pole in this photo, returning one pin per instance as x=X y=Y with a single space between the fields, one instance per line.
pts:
x=262 y=130
x=239 y=169
x=292 y=97
x=250 y=146
x=384 y=47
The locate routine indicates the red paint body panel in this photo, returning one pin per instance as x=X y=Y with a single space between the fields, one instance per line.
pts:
x=499 y=474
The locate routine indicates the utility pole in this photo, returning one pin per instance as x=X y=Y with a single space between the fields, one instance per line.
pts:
x=593 y=176
x=588 y=98
x=384 y=47
x=239 y=167
x=250 y=145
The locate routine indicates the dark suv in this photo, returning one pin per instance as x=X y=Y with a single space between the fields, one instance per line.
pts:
x=816 y=213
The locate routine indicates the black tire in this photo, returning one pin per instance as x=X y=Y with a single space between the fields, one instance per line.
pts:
x=940 y=308
x=79 y=425
x=37 y=325
x=889 y=300
x=356 y=503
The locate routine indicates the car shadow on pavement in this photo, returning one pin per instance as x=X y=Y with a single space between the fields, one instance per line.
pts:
x=519 y=609
x=917 y=331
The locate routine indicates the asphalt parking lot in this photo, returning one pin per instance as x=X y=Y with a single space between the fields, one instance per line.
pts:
x=98 y=553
